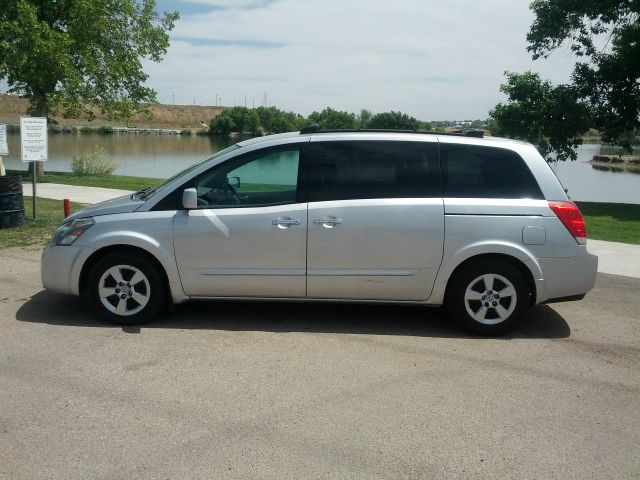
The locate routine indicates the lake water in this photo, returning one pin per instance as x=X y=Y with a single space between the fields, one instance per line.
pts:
x=164 y=155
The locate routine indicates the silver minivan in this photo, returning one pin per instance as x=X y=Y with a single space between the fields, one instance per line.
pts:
x=480 y=225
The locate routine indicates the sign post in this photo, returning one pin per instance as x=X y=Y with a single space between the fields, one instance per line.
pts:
x=4 y=147
x=33 y=142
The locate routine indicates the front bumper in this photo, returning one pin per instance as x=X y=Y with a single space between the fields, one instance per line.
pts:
x=61 y=266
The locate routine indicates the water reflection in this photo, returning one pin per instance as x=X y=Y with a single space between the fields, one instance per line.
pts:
x=137 y=155
x=608 y=168
x=587 y=183
x=163 y=156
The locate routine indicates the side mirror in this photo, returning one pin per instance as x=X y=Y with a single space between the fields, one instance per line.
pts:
x=234 y=182
x=190 y=198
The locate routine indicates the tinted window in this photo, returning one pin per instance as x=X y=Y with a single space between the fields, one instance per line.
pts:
x=368 y=169
x=485 y=172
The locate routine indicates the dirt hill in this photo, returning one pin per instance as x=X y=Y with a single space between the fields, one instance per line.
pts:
x=164 y=116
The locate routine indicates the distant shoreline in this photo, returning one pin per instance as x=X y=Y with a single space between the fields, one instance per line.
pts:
x=616 y=162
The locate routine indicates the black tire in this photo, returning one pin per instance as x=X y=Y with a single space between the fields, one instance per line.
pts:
x=498 y=304
x=131 y=302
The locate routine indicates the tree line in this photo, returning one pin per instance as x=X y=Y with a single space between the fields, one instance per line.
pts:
x=268 y=120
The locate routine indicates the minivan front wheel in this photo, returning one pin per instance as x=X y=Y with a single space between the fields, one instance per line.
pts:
x=487 y=296
x=126 y=289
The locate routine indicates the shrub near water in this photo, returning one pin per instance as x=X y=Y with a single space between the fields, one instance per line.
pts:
x=93 y=164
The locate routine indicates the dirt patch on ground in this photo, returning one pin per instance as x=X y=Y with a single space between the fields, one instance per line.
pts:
x=164 y=116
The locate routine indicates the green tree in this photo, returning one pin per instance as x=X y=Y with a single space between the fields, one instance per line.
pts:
x=395 y=121
x=330 y=119
x=364 y=118
x=68 y=57
x=552 y=118
x=252 y=122
x=239 y=115
x=606 y=35
x=274 y=120
x=223 y=123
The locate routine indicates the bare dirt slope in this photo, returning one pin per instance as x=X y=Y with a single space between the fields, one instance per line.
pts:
x=164 y=116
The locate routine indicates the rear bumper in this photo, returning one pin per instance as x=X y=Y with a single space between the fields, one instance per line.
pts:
x=566 y=279
x=572 y=298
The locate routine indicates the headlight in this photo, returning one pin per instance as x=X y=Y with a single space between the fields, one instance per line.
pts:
x=67 y=233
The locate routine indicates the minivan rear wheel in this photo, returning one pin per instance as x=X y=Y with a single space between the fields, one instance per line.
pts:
x=487 y=296
x=126 y=289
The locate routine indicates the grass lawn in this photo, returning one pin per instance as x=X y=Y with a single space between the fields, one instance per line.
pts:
x=38 y=231
x=613 y=222
x=110 y=181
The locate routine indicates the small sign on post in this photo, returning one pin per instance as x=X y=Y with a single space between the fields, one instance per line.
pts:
x=4 y=147
x=33 y=143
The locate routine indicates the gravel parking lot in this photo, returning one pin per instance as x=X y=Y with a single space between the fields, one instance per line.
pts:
x=297 y=391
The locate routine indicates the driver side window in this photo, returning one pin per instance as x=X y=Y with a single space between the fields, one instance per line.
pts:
x=269 y=178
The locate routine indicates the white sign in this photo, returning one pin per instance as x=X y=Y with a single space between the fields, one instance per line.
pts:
x=33 y=139
x=4 y=148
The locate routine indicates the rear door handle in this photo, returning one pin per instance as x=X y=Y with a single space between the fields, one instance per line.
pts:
x=334 y=221
x=328 y=222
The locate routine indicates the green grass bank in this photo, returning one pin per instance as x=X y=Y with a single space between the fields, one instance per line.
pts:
x=39 y=231
x=119 y=182
x=613 y=222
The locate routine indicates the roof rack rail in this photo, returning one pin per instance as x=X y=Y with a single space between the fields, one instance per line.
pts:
x=315 y=128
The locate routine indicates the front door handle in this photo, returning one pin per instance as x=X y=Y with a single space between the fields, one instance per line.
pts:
x=285 y=222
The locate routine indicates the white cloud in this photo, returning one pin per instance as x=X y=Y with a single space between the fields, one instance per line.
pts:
x=433 y=59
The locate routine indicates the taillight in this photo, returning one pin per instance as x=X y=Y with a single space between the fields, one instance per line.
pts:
x=570 y=216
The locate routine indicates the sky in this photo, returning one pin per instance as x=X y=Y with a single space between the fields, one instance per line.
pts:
x=432 y=59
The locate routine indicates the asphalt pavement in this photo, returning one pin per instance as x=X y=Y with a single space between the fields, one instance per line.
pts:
x=228 y=390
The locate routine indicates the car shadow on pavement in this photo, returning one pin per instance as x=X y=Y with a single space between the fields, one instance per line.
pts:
x=53 y=309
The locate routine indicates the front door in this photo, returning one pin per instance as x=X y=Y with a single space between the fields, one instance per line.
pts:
x=248 y=235
x=376 y=220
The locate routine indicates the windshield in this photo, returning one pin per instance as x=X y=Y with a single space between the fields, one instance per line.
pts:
x=145 y=194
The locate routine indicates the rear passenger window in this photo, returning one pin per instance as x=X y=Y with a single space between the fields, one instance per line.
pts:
x=470 y=171
x=368 y=169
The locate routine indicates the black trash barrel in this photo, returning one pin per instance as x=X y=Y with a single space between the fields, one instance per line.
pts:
x=11 y=202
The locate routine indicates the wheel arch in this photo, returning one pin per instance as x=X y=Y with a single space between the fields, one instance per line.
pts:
x=516 y=262
x=91 y=261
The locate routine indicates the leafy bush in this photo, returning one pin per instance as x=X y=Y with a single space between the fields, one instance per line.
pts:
x=105 y=130
x=223 y=123
x=86 y=129
x=396 y=121
x=331 y=119
x=54 y=128
x=185 y=131
x=93 y=164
